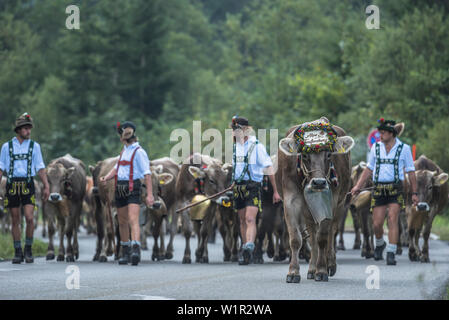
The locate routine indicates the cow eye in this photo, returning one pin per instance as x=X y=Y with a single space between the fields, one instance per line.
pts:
x=211 y=181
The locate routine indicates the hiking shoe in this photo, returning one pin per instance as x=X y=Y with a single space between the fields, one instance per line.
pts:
x=28 y=255
x=135 y=255
x=18 y=256
x=390 y=259
x=378 y=252
x=125 y=255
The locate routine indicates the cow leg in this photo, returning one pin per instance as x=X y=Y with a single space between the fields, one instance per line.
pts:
x=75 y=235
x=187 y=230
x=292 y=205
x=162 y=239
x=404 y=227
x=69 y=233
x=412 y=250
x=356 y=221
x=324 y=229
x=109 y=248
x=341 y=229
x=426 y=235
x=51 y=233
x=172 y=226
x=224 y=232
x=100 y=228
x=156 y=255
x=44 y=221
x=61 y=251
x=207 y=228
x=235 y=237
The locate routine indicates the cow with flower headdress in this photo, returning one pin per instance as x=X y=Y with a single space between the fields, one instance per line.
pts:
x=314 y=178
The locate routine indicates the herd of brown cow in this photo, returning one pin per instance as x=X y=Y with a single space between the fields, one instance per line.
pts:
x=289 y=230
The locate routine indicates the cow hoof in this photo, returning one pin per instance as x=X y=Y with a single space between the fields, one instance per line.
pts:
x=60 y=258
x=71 y=259
x=310 y=275
x=103 y=259
x=186 y=260
x=50 y=256
x=77 y=256
x=258 y=260
x=341 y=247
x=363 y=254
x=293 y=278
x=356 y=246
x=168 y=255
x=321 y=277
x=234 y=259
x=412 y=256
x=153 y=257
x=204 y=260
x=424 y=259
x=161 y=257
x=95 y=258
x=282 y=256
x=369 y=255
x=270 y=254
x=332 y=270
x=399 y=251
x=276 y=258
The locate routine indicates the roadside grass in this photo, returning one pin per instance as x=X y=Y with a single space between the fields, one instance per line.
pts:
x=7 y=248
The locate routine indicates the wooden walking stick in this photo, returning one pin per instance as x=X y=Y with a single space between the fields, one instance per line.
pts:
x=208 y=198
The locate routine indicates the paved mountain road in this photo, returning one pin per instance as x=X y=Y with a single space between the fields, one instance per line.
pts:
x=223 y=280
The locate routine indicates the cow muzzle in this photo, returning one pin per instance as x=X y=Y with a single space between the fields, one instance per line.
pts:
x=95 y=190
x=54 y=197
x=318 y=184
x=224 y=201
x=423 y=206
x=156 y=205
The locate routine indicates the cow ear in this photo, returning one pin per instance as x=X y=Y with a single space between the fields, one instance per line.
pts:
x=196 y=172
x=165 y=178
x=226 y=167
x=440 y=179
x=91 y=169
x=344 y=144
x=288 y=146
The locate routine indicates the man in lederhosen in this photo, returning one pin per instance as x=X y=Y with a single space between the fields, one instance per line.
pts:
x=387 y=161
x=132 y=166
x=20 y=159
x=250 y=162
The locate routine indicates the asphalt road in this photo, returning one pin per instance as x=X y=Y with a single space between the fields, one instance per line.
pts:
x=224 y=280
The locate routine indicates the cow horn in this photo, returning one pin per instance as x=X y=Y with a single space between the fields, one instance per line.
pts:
x=399 y=127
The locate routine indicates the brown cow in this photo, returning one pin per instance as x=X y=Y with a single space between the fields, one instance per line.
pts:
x=312 y=178
x=168 y=194
x=271 y=222
x=154 y=216
x=227 y=221
x=89 y=206
x=67 y=180
x=208 y=176
x=433 y=191
x=104 y=194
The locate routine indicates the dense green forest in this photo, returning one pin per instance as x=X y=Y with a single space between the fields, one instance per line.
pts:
x=165 y=63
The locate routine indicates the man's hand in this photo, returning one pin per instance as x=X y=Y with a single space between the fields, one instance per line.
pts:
x=150 y=200
x=276 y=197
x=355 y=191
x=46 y=193
x=415 y=199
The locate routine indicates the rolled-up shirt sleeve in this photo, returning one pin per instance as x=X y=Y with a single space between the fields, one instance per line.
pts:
x=4 y=157
x=143 y=163
x=37 y=158
x=371 y=158
x=263 y=159
x=409 y=165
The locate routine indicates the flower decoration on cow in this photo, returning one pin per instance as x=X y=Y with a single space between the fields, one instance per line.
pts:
x=326 y=138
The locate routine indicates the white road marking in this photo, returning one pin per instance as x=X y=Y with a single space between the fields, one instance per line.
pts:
x=144 y=297
x=6 y=270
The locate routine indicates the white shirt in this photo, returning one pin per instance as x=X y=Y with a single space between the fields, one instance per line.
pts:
x=386 y=171
x=258 y=160
x=141 y=163
x=20 y=166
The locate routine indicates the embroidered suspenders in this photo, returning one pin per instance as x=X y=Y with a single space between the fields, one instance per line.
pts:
x=245 y=159
x=394 y=161
x=131 y=169
x=23 y=156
